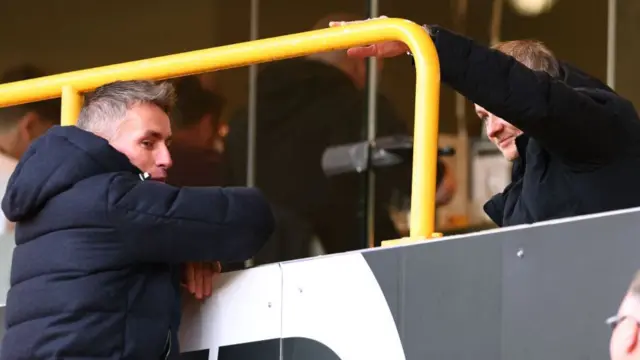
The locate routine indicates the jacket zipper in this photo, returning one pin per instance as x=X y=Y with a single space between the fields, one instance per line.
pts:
x=167 y=345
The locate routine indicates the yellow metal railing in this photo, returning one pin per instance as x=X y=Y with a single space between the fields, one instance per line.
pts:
x=70 y=87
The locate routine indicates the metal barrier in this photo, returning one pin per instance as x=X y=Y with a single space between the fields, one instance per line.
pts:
x=70 y=87
x=532 y=292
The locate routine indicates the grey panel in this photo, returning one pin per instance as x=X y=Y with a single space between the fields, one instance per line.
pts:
x=445 y=297
x=540 y=292
x=388 y=270
x=570 y=278
x=2 y=325
x=459 y=310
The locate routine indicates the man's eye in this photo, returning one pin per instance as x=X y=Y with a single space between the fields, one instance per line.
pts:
x=146 y=144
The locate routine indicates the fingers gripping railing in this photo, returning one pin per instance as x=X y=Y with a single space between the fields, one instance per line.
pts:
x=70 y=87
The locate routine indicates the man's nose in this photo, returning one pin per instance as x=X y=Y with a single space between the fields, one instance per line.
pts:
x=164 y=158
x=494 y=126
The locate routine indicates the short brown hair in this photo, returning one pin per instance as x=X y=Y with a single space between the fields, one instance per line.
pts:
x=532 y=53
x=109 y=103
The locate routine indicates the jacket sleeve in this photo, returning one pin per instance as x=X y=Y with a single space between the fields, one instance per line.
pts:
x=161 y=223
x=565 y=121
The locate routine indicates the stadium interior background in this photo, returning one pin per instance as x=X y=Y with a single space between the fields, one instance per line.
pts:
x=61 y=36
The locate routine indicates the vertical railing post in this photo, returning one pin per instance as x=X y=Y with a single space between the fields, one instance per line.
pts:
x=71 y=102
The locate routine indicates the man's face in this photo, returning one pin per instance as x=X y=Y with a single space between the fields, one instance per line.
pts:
x=500 y=132
x=144 y=137
x=624 y=338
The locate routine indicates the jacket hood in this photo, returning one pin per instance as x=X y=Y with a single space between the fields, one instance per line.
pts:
x=577 y=78
x=598 y=91
x=53 y=164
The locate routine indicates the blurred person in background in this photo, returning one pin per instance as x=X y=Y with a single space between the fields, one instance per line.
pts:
x=574 y=142
x=195 y=120
x=20 y=125
x=304 y=106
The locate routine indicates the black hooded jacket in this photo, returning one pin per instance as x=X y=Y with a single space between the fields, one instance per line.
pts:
x=580 y=151
x=92 y=272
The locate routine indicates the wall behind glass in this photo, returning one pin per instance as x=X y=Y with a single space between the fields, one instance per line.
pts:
x=575 y=32
x=76 y=34
x=73 y=34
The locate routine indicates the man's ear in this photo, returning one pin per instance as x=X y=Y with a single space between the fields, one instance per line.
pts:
x=27 y=126
x=33 y=126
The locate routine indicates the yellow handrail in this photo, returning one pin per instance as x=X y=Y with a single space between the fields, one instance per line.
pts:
x=70 y=86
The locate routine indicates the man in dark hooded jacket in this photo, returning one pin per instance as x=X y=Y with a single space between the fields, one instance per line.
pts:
x=99 y=234
x=575 y=143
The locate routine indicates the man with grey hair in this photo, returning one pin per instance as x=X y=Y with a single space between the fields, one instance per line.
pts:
x=100 y=235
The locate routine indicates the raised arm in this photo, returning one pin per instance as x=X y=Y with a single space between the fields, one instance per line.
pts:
x=581 y=126
x=161 y=223
x=578 y=125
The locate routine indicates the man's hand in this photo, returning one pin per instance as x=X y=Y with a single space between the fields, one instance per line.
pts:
x=198 y=278
x=382 y=50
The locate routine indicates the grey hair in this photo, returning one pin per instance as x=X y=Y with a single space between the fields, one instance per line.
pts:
x=108 y=104
x=533 y=54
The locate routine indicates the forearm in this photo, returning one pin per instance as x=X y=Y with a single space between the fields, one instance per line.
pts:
x=163 y=223
x=545 y=108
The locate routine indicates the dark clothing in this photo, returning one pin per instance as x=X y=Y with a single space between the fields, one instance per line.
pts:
x=96 y=247
x=303 y=107
x=581 y=150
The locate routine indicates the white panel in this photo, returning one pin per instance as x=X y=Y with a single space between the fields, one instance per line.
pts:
x=245 y=307
x=337 y=301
